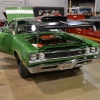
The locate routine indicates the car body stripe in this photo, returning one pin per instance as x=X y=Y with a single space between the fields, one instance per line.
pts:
x=19 y=11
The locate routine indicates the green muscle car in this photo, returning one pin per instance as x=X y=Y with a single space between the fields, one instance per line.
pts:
x=42 y=46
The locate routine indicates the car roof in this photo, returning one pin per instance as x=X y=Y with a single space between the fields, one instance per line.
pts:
x=31 y=20
x=56 y=22
x=43 y=19
x=96 y=17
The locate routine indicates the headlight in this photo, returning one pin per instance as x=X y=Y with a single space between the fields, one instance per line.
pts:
x=33 y=57
x=41 y=56
x=87 y=50
x=93 y=49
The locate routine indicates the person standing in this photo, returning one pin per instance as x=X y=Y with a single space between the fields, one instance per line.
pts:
x=56 y=13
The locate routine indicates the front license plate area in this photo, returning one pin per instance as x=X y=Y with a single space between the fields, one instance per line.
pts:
x=66 y=66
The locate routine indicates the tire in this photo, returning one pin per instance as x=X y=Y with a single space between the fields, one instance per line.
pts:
x=22 y=70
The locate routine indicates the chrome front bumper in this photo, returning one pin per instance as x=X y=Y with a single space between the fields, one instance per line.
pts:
x=61 y=66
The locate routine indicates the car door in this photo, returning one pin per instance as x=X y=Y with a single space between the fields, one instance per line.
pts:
x=6 y=38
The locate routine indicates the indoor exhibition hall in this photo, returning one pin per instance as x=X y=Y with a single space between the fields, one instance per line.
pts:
x=49 y=49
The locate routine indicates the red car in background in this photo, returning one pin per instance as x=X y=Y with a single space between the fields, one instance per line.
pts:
x=3 y=22
x=76 y=17
x=92 y=33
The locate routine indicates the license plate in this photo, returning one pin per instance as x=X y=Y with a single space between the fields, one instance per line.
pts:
x=66 y=66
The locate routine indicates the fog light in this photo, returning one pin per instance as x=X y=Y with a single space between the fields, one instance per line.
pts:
x=89 y=61
x=40 y=68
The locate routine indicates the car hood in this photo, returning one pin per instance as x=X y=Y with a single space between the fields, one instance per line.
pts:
x=18 y=12
x=77 y=44
x=61 y=47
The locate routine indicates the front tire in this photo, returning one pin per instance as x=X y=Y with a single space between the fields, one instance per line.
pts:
x=22 y=70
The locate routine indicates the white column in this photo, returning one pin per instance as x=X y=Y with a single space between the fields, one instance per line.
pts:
x=66 y=6
x=97 y=5
x=26 y=3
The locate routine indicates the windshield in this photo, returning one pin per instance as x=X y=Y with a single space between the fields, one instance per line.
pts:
x=24 y=26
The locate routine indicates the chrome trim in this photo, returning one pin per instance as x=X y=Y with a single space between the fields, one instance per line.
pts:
x=75 y=64
x=32 y=62
x=58 y=51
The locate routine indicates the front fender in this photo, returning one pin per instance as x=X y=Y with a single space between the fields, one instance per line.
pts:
x=23 y=48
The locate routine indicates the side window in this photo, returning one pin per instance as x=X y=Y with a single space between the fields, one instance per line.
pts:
x=12 y=27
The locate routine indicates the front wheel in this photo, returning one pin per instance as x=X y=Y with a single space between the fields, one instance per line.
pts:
x=22 y=70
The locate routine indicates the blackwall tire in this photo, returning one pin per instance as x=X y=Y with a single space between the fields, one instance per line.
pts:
x=22 y=70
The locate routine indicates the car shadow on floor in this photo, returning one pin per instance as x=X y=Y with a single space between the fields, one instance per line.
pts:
x=55 y=75
x=60 y=81
x=8 y=60
x=8 y=63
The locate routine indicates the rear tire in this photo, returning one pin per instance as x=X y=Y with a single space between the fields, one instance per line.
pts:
x=22 y=70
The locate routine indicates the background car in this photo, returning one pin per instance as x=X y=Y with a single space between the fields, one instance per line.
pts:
x=92 y=33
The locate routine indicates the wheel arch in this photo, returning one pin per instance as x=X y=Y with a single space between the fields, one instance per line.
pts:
x=16 y=56
x=22 y=70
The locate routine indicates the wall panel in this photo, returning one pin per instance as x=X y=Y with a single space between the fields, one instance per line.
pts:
x=9 y=3
x=53 y=3
x=31 y=3
x=97 y=5
x=48 y=3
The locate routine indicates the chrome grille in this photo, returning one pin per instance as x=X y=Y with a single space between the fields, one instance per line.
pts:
x=64 y=54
